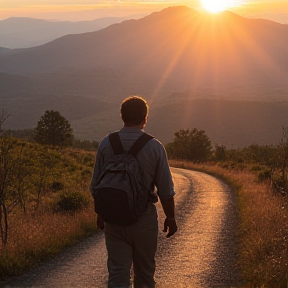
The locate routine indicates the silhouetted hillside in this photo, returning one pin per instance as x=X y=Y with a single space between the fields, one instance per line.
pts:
x=16 y=85
x=105 y=84
x=231 y=123
x=25 y=112
x=23 y=32
x=4 y=50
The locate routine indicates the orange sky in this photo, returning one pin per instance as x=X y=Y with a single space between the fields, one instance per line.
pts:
x=74 y=10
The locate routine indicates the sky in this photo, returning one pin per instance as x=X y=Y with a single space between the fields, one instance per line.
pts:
x=76 y=10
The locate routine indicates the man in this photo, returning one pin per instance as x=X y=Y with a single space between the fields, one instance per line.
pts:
x=137 y=243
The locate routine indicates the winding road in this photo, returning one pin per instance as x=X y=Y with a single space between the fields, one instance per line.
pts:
x=202 y=254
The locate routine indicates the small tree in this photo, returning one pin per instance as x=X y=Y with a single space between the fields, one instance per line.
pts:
x=282 y=159
x=54 y=129
x=191 y=145
x=220 y=152
x=3 y=118
x=7 y=168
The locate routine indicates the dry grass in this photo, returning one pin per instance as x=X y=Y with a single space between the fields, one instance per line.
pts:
x=263 y=226
x=33 y=239
x=61 y=214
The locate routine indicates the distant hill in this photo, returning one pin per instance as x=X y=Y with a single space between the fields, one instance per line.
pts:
x=226 y=122
x=106 y=84
x=23 y=32
x=25 y=112
x=175 y=58
x=175 y=43
x=4 y=50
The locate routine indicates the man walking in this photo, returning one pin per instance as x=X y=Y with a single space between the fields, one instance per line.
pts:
x=137 y=243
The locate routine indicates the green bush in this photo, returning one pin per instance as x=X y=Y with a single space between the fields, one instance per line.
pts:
x=56 y=186
x=256 y=168
x=70 y=202
x=264 y=175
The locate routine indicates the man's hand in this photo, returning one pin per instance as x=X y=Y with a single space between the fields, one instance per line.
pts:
x=100 y=223
x=171 y=224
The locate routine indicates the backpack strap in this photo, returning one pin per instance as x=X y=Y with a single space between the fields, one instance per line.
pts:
x=116 y=143
x=136 y=147
x=139 y=144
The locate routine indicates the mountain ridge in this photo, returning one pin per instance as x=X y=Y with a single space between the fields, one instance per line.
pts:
x=170 y=56
x=25 y=32
x=98 y=48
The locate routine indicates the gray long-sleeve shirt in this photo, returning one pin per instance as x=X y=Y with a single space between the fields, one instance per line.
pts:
x=152 y=159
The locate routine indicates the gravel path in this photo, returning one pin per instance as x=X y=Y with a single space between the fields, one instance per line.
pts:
x=200 y=255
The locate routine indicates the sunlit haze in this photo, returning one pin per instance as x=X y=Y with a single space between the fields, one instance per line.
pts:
x=74 y=10
x=215 y=6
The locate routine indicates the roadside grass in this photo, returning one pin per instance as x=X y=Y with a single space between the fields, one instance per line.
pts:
x=59 y=210
x=35 y=238
x=263 y=225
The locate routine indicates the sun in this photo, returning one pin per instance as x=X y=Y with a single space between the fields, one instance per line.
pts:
x=215 y=6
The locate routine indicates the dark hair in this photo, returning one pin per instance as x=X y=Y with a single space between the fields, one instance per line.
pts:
x=134 y=110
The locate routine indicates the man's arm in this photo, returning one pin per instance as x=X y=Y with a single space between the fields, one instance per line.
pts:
x=96 y=172
x=165 y=189
x=169 y=210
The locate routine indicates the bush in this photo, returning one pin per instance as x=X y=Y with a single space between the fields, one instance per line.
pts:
x=264 y=175
x=56 y=186
x=70 y=202
x=256 y=168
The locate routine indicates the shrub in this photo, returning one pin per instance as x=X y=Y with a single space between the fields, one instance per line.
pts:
x=70 y=202
x=256 y=168
x=56 y=186
x=264 y=175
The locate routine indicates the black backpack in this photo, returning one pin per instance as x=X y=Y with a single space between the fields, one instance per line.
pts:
x=121 y=198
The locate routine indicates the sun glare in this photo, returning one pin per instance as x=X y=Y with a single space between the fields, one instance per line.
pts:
x=215 y=6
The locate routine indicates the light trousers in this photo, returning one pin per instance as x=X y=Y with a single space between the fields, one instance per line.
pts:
x=134 y=244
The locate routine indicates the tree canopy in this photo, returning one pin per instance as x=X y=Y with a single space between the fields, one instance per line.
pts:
x=191 y=145
x=54 y=129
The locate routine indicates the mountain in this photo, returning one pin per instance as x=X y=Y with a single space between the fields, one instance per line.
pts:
x=176 y=42
x=172 y=57
x=179 y=45
x=23 y=32
x=4 y=50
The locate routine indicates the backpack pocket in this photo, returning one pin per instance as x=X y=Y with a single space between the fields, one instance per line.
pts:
x=112 y=205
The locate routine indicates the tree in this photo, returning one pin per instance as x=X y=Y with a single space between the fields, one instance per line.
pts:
x=3 y=118
x=190 y=145
x=7 y=168
x=220 y=152
x=282 y=159
x=54 y=129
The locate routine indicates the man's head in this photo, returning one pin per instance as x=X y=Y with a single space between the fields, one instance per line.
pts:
x=134 y=111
